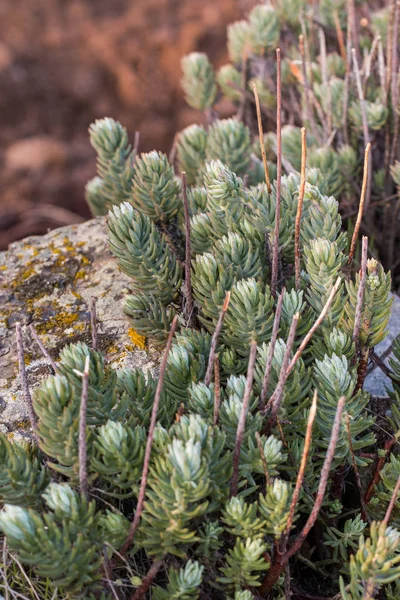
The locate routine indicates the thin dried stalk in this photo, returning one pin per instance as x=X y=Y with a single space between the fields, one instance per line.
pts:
x=188 y=254
x=394 y=151
x=357 y=76
x=300 y=207
x=263 y=460
x=356 y=471
x=261 y=136
x=307 y=91
x=148 y=580
x=174 y=148
x=24 y=380
x=275 y=247
x=317 y=323
x=330 y=453
x=93 y=322
x=392 y=503
x=82 y=446
x=389 y=45
x=214 y=339
x=242 y=418
x=347 y=80
x=354 y=29
x=43 y=349
x=361 y=205
x=360 y=294
x=271 y=350
x=217 y=389
x=276 y=398
x=149 y=444
x=395 y=62
x=282 y=558
x=300 y=476
x=325 y=78
x=340 y=37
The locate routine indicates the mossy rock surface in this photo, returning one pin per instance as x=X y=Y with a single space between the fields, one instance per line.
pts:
x=48 y=281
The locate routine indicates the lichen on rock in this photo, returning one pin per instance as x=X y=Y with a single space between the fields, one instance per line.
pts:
x=48 y=282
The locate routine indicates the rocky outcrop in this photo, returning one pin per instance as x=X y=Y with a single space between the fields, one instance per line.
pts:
x=48 y=281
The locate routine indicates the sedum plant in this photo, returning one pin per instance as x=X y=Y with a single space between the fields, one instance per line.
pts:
x=250 y=466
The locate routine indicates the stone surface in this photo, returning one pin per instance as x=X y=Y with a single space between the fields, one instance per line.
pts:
x=48 y=282
x=376 y=382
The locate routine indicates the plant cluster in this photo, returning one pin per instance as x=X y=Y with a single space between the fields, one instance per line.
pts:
x=241 y=471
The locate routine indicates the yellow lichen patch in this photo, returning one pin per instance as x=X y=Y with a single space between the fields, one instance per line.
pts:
x=3 y=268
x=80 y=274
x=10 y=435
x=136 y=339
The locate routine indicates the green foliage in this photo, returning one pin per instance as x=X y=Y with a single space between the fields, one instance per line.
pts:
x=204 y=539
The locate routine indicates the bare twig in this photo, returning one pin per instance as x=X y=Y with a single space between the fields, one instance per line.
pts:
x=300 y=206
x=339 y=34
x=309 y=112
x=173 y=151
x=361 y=205
x=242 y=418
x=325 y=78
x=188 y=255
x=357 y=76
x=149 y=444
x=24 y=380
x=360 y=294
x=83 y=480
x=302 y=469
x=392 y=503
x=378 y=468
x=394 y=151
x=214 y=339
x=263 y=459
x=271 y=350
x=330 y=453
x=351 y=9
x=148 y=580
x=347 y=80
x=261 y=136
x=43 y=349
x=280 y=558
x=276 y=399
x=93 y=322
x=275 y=247
x=356 y=471
x=217 y=389
x=391 y=44
x=317 y=323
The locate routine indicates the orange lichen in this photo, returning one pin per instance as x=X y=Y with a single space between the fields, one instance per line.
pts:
x=136 y=339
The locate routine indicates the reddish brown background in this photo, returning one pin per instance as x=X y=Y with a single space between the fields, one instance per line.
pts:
x=64 y=63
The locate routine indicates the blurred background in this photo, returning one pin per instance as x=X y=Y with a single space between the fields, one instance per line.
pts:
x=64 y=63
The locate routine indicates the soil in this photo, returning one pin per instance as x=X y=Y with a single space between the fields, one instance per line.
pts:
x=64 y=64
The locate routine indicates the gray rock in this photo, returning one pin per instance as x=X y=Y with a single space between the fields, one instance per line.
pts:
x=377 y=382
x=48 y=282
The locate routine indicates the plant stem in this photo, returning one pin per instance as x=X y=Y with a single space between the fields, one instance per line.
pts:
x=188 y=255
x=275 y=247
x=261 y=136
x=361 y=205
x=365 y=515
x=149 y=444
x=217 y=389
x=281 y=559
x=242 y=418
x=82 y=441
x=24 y=380
x=364 y=119
x=276 y=399
x=148 y=580
x=392 y=503
x=317 y=323
x=271 y=351
x=43 y=349
x=214 y=339
x=93 y=322
x=300 y=207
x=300 y=476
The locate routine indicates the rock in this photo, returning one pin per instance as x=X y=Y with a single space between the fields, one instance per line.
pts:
x=48 y=282
x=377 y=382
x=33 y=154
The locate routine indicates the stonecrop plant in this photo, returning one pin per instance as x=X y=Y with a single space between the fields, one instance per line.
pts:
x=252 y=465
